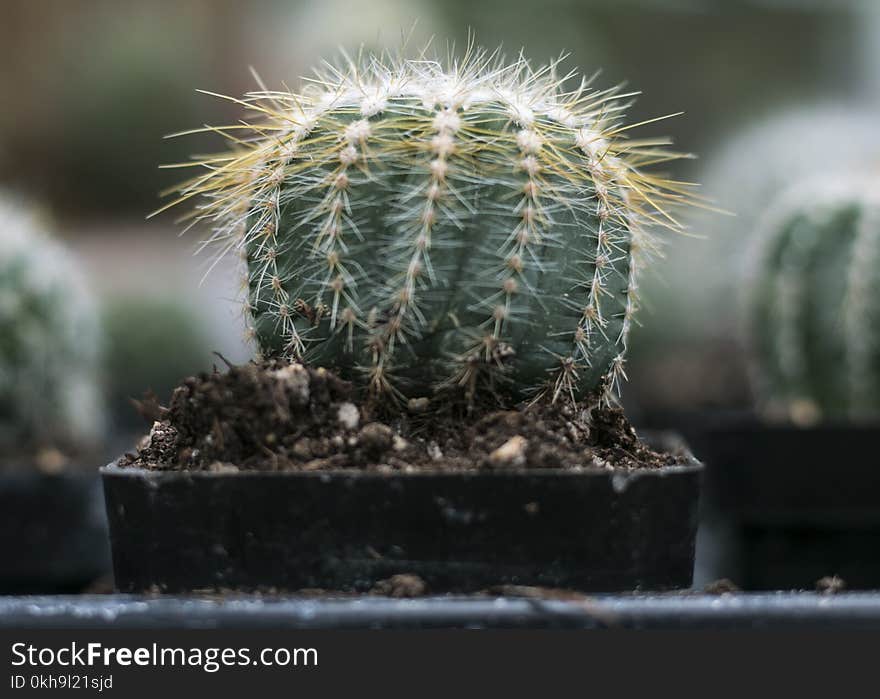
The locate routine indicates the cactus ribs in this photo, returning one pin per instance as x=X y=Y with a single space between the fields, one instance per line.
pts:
x=421 y=217
x=283 y=416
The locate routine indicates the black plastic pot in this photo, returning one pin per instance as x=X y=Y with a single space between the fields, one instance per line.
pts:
x=53 y=533
x=796 y=504
x=594 y=530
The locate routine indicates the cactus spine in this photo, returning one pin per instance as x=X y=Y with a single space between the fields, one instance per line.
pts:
x=49 y=341
x=475 y=226
x=813 y=306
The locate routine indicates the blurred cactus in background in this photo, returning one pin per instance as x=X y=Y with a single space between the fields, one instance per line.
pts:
x=812 y=306
x=50 y=341
x=760 y=162
x=689 y=347
x=744 y=177
x=152 y=343
x=476 y=226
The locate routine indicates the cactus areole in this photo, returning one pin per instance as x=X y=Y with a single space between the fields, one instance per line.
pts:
x=421 y=227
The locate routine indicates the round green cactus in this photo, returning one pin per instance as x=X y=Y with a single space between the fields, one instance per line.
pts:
x=813 y=302
x=474 y=226
x=49 y=340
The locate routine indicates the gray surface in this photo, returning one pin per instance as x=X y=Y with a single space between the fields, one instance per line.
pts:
x=773 y=610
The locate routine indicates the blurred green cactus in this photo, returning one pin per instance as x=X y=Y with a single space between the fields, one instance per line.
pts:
x=475 y=226
x=744 y=175
x=813 y=302
x=152 y=343
x=50 y=340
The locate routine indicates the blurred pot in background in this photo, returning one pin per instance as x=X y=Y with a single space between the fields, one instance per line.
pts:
x=797 y=483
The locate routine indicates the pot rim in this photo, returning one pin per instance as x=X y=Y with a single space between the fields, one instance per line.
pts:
x=688 y=465
x=686 y=462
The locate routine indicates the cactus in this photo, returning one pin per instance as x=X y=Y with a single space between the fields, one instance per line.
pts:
x=813 y=302
x=476 y=226
x=744 y=175
x=49 y=340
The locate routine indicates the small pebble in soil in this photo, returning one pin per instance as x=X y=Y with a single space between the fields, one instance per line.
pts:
x=511 y=454
x=401 y=585
x=375 y=439
x=220 y=467
x=348 y=415
x=399 y=443
x=418 y=405
x=721 y=586
x=297 y=379
x=830 y=584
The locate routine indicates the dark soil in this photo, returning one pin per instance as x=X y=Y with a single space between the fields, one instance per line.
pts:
x=282 y=416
